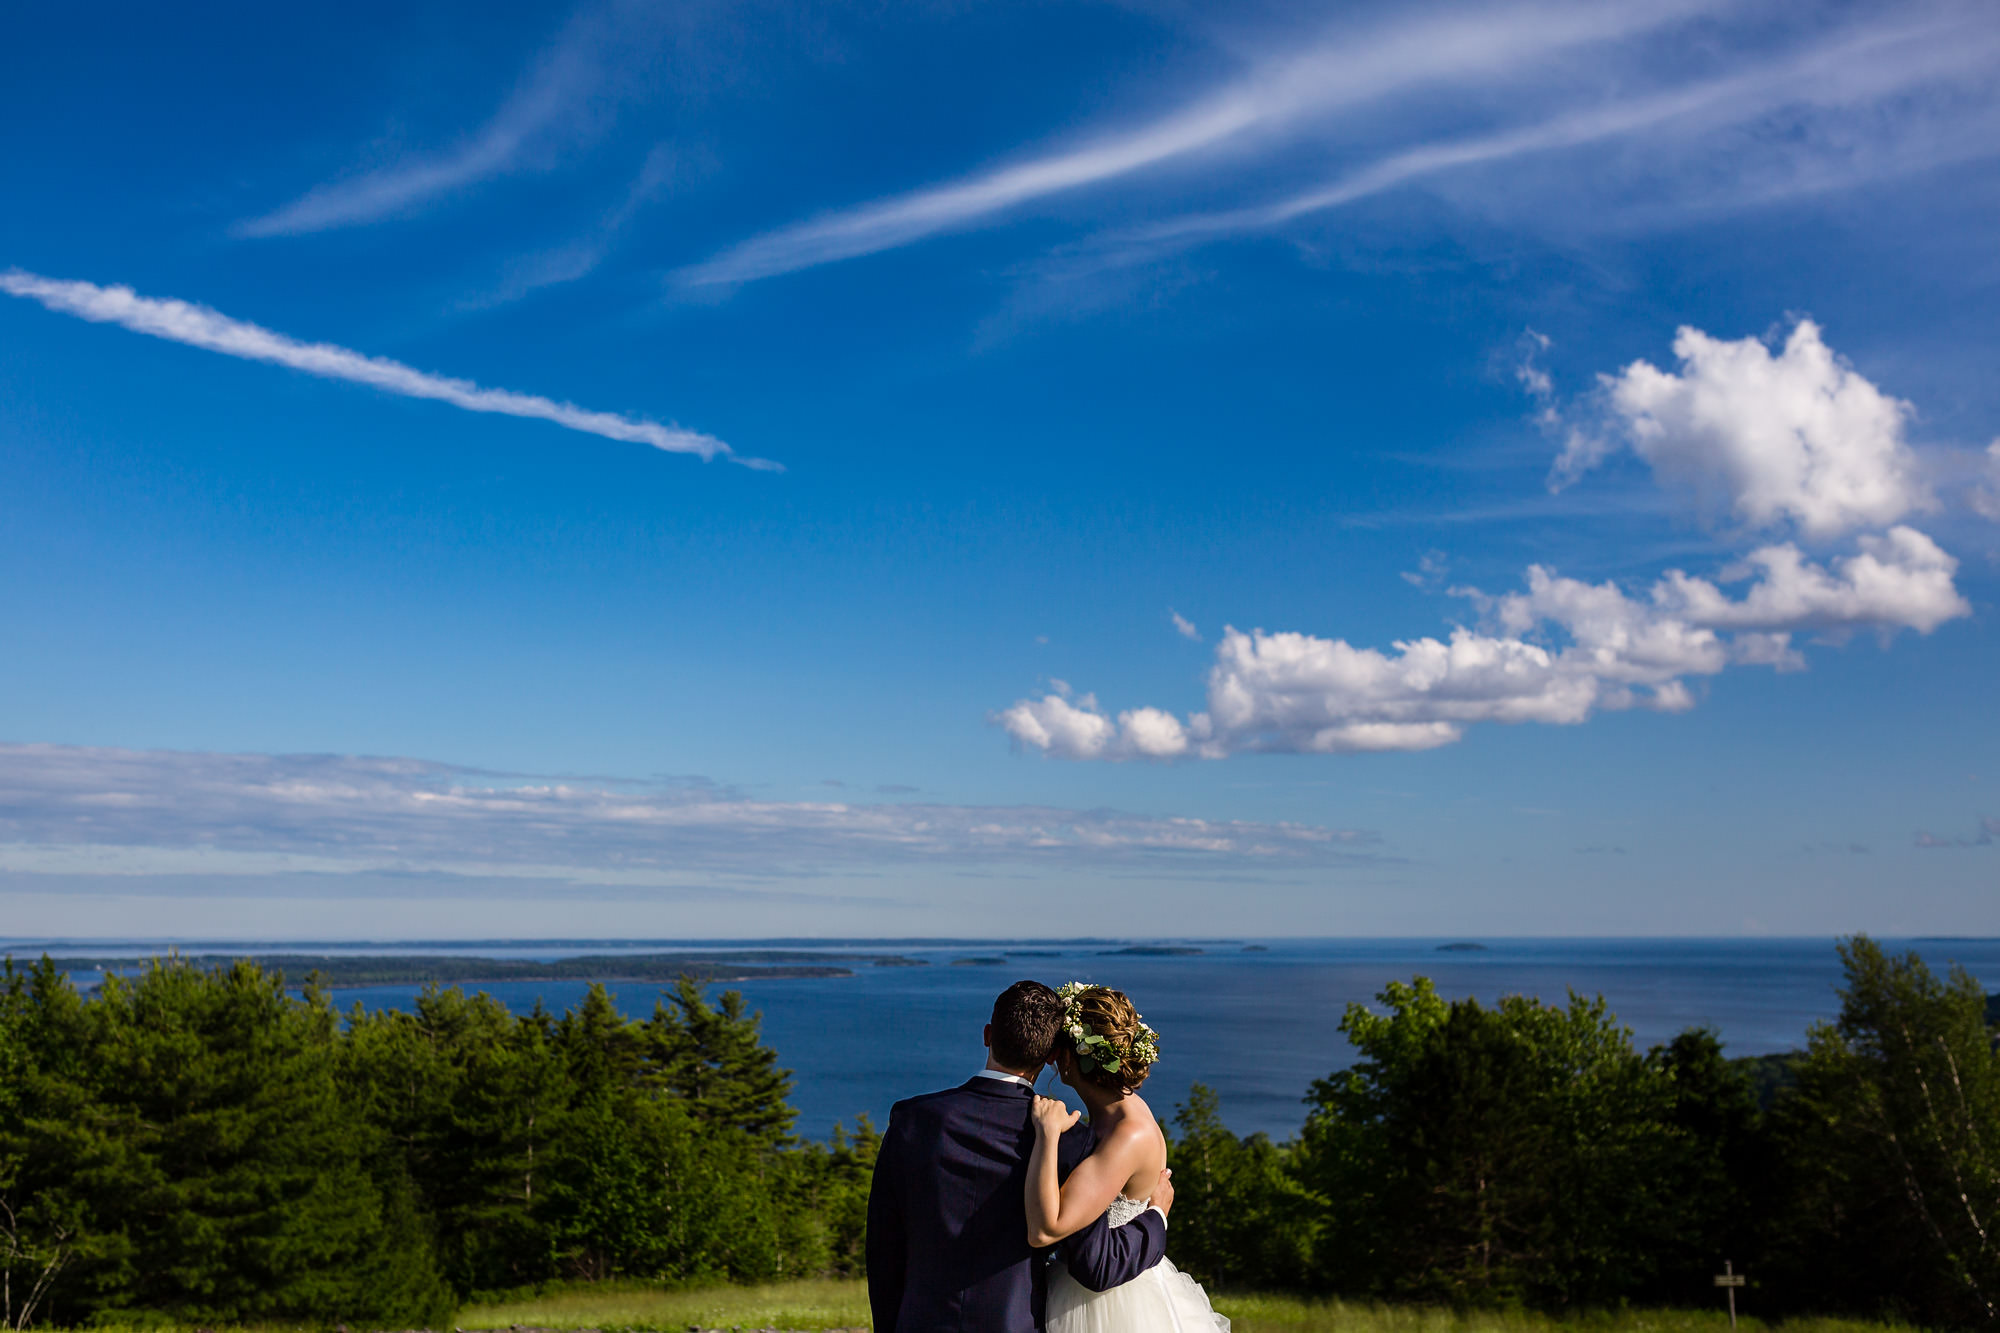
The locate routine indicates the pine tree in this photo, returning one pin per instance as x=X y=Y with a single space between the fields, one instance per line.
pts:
x=714 y=1059
x=194 y=1134
x=1240 y=1219
x=471 y=1096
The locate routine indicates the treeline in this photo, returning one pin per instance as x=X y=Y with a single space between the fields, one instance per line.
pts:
x=199 y=1145
x=1528 y=1154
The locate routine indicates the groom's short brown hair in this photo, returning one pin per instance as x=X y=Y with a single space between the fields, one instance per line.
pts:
x=1026 y=1019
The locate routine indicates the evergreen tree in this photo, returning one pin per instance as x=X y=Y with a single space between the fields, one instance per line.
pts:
x=194 y=1137
x=715 y=1060
x=600 y=1048
x=1715 y=1171
x=470 y=1095
x=38 y=1231
x=840 y=1195
x=198 y=1146
x=1240 y=1219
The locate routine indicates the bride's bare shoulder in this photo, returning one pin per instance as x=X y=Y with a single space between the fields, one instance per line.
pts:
x=1135 y=1125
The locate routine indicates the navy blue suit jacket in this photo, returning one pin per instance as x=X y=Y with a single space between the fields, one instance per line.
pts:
x=948 y=1222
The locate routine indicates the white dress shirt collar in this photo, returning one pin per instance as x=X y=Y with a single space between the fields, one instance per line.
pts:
x=1005 y=1077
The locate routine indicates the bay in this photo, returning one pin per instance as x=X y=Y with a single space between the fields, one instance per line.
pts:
x=1256 y=1025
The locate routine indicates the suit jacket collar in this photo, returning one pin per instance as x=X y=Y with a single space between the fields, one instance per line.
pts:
x=997 y=1087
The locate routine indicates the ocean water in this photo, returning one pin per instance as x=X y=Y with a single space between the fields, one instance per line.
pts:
x=1258 y=1026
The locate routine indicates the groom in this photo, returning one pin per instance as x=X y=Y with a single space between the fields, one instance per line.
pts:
x=947 y=1219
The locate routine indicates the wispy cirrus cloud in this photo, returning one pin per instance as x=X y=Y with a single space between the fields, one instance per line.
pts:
x=581 y=256
x=560 y=102
x=1857 y=70
x=199 y=326
x=77 y=810
x=1342 y=69
x=1734 y=115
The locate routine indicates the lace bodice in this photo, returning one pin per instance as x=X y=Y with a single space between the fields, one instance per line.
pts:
x=1123 y=1210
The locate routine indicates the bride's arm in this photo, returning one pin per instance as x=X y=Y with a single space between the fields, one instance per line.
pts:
x=1059 y=1210
x=1101 y=1256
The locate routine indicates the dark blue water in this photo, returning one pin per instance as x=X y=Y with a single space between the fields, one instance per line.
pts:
x=1257 y=1026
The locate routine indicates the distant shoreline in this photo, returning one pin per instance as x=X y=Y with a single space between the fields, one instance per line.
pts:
x=355 y=971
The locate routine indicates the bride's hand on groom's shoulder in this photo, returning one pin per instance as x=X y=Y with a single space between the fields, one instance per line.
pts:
x=1052 y=1117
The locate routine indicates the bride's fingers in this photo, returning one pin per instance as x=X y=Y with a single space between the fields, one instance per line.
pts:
x=1054 y=1114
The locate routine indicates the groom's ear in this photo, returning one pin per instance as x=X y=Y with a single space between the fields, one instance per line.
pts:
x=986 y=1035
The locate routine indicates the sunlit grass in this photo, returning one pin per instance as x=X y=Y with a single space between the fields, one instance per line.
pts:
x=1257 y=1313
x=817 y=1304
x=811 y=1306
x=844 y=1304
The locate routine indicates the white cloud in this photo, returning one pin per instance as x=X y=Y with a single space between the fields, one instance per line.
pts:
x=552 y=109
x=1183 y=626
x=199 y=326
x=74 y=810
x=1153 y=732
x=1899 y=580
x=1054 y=724
x=1555 y=653
x=1798 y=437
x=1339 y=70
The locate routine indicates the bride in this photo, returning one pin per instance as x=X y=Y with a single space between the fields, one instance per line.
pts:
x=1104 y=1052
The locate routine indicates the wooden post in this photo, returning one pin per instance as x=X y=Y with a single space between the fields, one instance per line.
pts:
x=1729 y=1280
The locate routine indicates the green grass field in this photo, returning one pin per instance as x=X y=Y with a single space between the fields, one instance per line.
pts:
x=815 y=1304
x=832 y=1304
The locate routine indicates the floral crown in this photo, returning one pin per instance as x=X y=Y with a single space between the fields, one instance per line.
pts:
x=1094 y=1050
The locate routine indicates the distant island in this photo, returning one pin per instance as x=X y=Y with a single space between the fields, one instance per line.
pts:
x=1256 y=948
x=977 y=962
x=347 y=970
x=1149 y=951
x=1461 y=948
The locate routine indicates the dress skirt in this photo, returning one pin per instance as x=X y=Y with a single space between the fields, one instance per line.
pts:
x=1160 y=1300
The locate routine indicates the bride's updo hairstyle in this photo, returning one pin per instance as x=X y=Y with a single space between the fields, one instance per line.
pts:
x=1113 y=1046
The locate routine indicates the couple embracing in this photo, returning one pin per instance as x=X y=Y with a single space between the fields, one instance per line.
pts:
x=994 y=1211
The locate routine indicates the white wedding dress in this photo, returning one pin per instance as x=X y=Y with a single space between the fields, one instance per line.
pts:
x=1160 y=1300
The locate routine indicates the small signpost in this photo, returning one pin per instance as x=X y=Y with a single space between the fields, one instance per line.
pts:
x=1729 y=1279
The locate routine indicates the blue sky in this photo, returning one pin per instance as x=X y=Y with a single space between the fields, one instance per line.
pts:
x=1152 y=469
